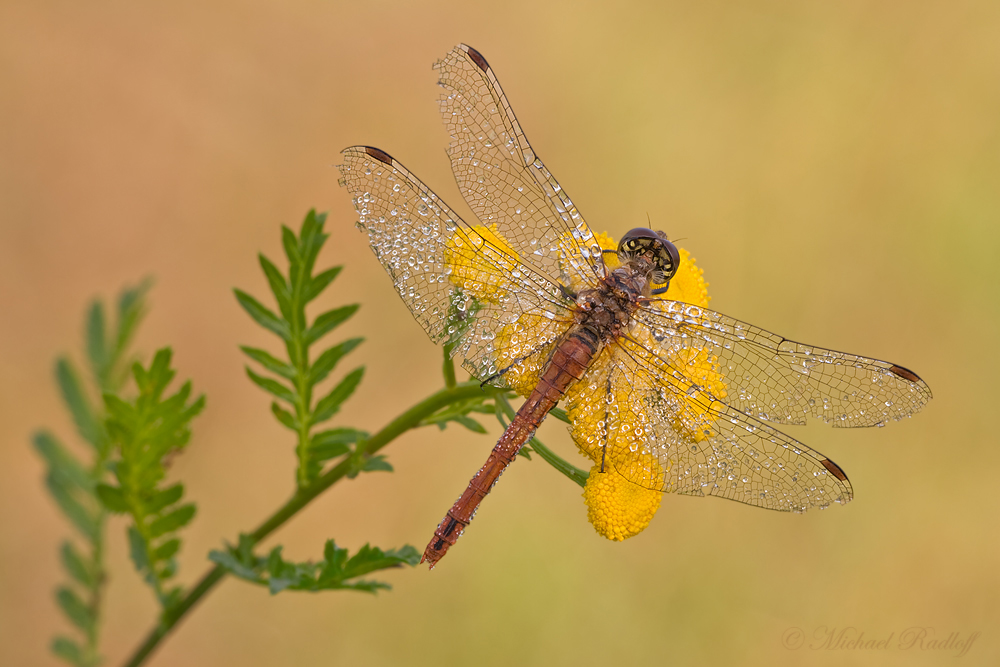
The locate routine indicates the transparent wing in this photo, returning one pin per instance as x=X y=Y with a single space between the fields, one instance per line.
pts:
x=777 y=380
x=663 y=431
x=502 y=179
x=465 y=285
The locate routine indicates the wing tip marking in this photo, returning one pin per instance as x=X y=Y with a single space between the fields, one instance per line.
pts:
x=477 y=57
x=904 y=373
x=834 y=469
x=379 y=155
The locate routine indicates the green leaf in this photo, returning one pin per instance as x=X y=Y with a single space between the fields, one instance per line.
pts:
x=61 y=462
x=262 y=315
x=273 y=387
x=112 y=498
x=231 y=563
x=172 y=521
x=72 y=392
x=470 y=423
x=328 y=321
x=68 y=650
x=97 y=339
x=336 y=571
x=376 y=464
x=272 y=364
x=74 y=510
x=320 y=282
x=74 y=608
x=167 y=550
x=291 y=245
x=131 y=308
x=76 y=567
x=164 y=498
x=330 y=404
x=560 y=414
x=286 y=418
x=326 y=445
x=329 y=359
x=278 y=286
x=138 y=550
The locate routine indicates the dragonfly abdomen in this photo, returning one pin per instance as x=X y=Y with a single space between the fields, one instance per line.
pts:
x=568 y=363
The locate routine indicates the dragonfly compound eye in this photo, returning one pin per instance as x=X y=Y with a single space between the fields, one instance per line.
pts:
x=643 y=241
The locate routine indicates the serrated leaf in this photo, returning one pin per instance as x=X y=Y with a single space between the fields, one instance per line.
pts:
x=376 y=464
x=75 y=398
x=74 y=608
x=328 y=321
x=560 y=414
x=112 y=498
x=172 y=521
x=272 y=387
x=470 y=423
x=286 y=418
x=326 y=445
x=68 y=650
x=320 y=282
x=269 y=362
x=131 y=308
x=137 y=550
x=330 y=404
x=164 y=498
x=74 y=564
x=232 y=564
x=61 y=462
x=329 y=359
x=167 y=550
x=278 y=286
x=78 y=515
x=291 y=245
x=262 y=315
x=97 y=339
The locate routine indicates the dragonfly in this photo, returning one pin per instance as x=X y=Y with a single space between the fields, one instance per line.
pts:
x=673 y=396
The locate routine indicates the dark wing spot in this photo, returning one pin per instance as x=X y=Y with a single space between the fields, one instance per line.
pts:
x=904 y=373
x=381 y=156
x=834 y=469
x=477 y=58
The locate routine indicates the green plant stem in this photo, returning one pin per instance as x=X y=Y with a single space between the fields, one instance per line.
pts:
x=448 y=368
x=302 y=497
x=553 y=459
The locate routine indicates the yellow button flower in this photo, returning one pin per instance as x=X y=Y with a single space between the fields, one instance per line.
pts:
x=617 y=506
x=622 y=492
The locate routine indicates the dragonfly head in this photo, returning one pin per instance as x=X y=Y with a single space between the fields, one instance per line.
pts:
x=653 y=246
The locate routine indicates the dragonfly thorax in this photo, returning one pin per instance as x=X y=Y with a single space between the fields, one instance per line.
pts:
x=607 y=309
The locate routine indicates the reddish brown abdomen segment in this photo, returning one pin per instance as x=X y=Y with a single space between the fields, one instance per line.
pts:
x=569 y=362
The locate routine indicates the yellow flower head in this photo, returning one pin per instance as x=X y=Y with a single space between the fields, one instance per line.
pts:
x=618 y=506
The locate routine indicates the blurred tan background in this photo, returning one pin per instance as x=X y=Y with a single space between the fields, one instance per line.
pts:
x=834 y=168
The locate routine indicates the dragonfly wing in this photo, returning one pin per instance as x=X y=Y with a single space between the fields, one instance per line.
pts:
x=662 y=431
x=777 y=380
x=465 y=285
x=503 y=180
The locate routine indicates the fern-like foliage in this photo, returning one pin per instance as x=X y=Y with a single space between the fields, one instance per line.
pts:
x=72 y=482
x=337 y=570
x=294 y=380
x=146 y=432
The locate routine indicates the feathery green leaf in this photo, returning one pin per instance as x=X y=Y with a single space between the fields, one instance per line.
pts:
x=328 y=321
x=273 y=387
x=330 y=404
x=269 y=362
x=262 y=315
